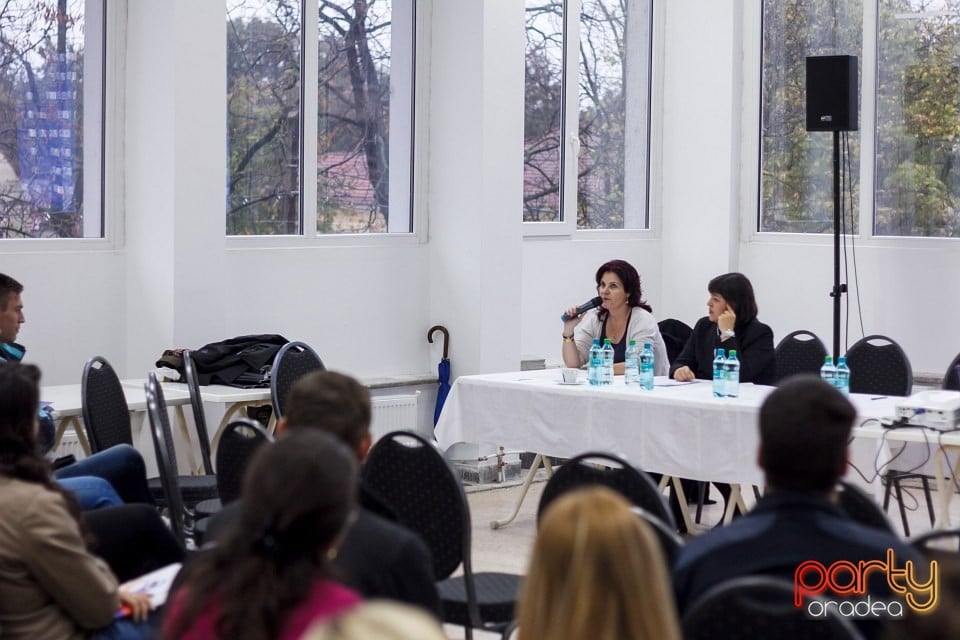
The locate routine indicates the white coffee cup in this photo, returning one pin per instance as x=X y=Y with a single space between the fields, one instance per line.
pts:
x=570 y=375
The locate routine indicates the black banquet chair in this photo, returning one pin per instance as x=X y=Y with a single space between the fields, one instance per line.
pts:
x=240 y=440
x=675 y=334
x=598 y=468
x=951 y=379
x=295 y=359
x=411 y=476
x=106 y=416
x=754 y=607
x=799 y=352
x=879 y=366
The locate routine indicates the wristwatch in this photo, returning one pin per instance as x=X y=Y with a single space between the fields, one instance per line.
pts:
x=727 y=334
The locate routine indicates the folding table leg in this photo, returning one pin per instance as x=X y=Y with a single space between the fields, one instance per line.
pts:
x=534 y=467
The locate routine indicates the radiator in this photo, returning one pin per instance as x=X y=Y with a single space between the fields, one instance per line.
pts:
x=69 y=445
x=390 y=413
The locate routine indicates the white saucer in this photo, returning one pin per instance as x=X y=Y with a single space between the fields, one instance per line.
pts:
x=571 y=383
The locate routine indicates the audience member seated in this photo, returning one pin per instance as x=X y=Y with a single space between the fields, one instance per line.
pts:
x=944 y=620
x=51 y=586
x=805 y=425
x=270 y=575
x=122 y=467
x=380 y=620
x=378 y=558
x=597 y=573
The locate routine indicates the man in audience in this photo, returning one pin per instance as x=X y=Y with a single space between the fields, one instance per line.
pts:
x=377 y=557
x=107 y=478
x=805 y=425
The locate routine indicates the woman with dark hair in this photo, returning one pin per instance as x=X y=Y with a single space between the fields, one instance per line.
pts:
x=622 y=316
x=731 y=323
x=51 y=586
x=270 y=574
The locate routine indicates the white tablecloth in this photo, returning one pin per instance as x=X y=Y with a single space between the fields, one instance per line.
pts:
x=677 y=430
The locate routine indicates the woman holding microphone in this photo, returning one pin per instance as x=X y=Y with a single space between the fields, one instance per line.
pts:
x=621 y=316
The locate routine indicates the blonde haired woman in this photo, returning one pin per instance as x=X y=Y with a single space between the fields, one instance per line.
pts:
x=598 y=573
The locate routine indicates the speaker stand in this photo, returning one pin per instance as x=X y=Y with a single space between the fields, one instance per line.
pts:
x=838 y=289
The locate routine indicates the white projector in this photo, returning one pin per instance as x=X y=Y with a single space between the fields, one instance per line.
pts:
x=935 y=409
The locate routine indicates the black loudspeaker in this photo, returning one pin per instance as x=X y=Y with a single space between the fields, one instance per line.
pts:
x=832 y=93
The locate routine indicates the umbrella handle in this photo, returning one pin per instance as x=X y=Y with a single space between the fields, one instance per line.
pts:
x=446 y=337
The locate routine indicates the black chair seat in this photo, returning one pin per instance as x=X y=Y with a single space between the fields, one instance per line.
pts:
x=194 y=489
x=206 y=508
x=496 y=595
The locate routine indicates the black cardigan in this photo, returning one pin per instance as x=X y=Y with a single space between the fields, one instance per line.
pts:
x=753 y=342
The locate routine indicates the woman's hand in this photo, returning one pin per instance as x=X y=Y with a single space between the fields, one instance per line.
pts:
x=727 y=319
x=683 y=374
x=569 y=325
x=137 y=603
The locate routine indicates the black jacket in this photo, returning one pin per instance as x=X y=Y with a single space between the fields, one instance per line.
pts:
x=243 y=361
x=753 y=342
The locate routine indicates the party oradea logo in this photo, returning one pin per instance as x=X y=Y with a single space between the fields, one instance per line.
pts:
x=842 y=588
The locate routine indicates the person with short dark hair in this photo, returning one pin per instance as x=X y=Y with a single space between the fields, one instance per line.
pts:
x=378 y=557
x=731 y=323
x=270 y=576
x=623 y=315
x=805 y=425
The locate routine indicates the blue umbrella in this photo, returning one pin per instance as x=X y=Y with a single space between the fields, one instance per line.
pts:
x=443 y=370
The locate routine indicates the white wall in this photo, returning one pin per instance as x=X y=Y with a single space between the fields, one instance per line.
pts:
x=173 y=280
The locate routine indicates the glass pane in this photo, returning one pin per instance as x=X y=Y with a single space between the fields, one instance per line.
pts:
x=263 y=117
x=543 y=111
x=796 y=166
x=42 y=170
x=614 y=74
x=918 y=119
x=355 y=118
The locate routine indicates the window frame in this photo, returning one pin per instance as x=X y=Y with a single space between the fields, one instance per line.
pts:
x=567 y=226
x=419 y=148
x=750 y=197
x=108 y=84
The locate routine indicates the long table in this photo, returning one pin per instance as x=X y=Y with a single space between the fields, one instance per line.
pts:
x=677 y=429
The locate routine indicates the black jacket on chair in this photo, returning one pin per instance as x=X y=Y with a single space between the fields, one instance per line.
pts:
x=243 y=361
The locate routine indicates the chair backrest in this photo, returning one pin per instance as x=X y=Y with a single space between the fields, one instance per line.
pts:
x=760 y=607
x=294 y=360
x=166 y=456
x=606 y=469
x=413 y=478
x=879 y=365
x=199 y=417
x=951 y=379
x=106 y=416
x=861 y=508
x=675 y=334
x=799 y=352
x=938 y=541
x=240 y=439
x=670 y=541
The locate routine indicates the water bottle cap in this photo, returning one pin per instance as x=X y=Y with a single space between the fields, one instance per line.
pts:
x=647 y=345
x=633 y=342
x=841 y=360
x=607 y=341
x=733 y=353
x=828 y=360
x=596 y=341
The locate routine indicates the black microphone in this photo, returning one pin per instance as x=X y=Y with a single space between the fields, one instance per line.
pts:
x=586 y=306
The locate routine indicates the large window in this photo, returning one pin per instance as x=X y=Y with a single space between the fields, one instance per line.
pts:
x=587 y=112
x=324 y=156
x=912 y=112
x=51 y=118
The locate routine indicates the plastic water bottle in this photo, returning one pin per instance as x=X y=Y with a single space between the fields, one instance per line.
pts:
x=646 y=367
x=828 y=372
x=594 y=363
x=607 y=376
x=842 y=376
x=731 y=367
x=631 y=364
x=719 y=375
